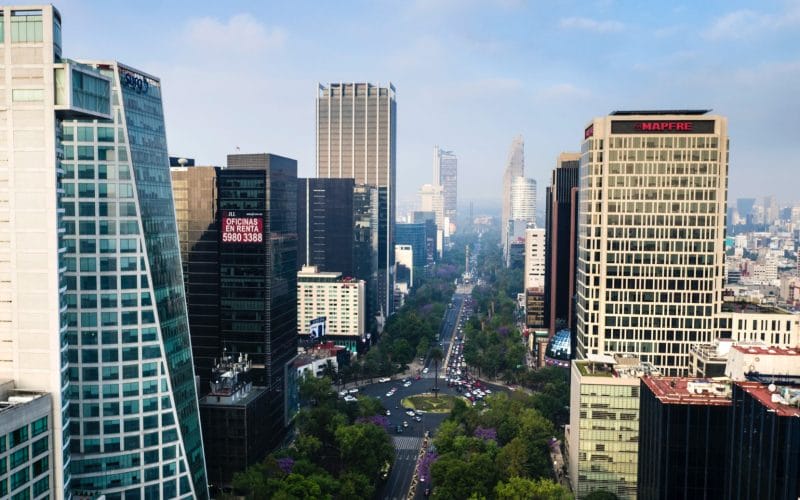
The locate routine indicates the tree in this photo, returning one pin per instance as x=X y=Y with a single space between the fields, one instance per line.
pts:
x=540 y=489
x=436 y=356
x=364 y=448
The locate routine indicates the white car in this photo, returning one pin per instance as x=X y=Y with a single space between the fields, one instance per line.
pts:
x=384 y=379
x=410 y=413
x=350 y=399
x=425 y=370
x=353 y=391
x=407 y=384
x=388 y=413
x=389 y=394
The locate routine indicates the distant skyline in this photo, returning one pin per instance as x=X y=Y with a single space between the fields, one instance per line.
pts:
x=470 y=75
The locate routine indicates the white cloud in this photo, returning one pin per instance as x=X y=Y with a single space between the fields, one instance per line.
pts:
x=588 y=24
x=242 y=33
x=745 y=23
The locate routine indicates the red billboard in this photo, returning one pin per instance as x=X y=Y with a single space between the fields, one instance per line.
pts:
x=242 y=228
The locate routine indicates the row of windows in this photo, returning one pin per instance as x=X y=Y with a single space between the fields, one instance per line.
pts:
x=112 y=409
x=100 y=153
x=106 y=264
x=96 y=171
x=113 y=355
x=103 y=209
x=617 y=142
x=102 y=245
x=99 y=190
x=116 y=426
x=87 y=134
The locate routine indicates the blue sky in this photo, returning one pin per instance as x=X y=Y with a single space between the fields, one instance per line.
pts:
x=469 y=75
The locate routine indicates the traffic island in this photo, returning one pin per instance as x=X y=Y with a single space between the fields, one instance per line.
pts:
x=429 y=403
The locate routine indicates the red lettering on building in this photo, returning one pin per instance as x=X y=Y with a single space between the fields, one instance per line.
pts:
x=663 y=126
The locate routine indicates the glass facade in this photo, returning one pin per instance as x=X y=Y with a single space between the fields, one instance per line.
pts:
x=258 y=279
x=135 y=425
x=325 y=224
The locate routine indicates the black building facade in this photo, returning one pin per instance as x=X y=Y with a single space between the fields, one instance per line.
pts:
x=257 y=221
x=325 y=228
x=414 y=235
x=560 y=245
x=683 y=441
x=766 y=439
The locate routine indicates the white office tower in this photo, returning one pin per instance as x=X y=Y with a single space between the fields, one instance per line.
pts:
x=93 y=310
x=445 y=174
x=38 y=90
x=523 y=200
x=515 y=167
x=651 y=263
x=534 y=258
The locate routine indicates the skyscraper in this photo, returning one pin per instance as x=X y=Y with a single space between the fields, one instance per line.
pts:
x=357 y=139
x=132 y=381
x=41 y=90
x=515 y=167
x=325 y=225
x=561 y=239
x=445 y=174
x=195 y=192
x=534 y=258
x=653 y=189
x=523 y=200
x=258 y=273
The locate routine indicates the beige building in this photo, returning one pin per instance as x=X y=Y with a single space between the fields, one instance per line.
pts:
x=650 y=264
x=340 y=301
x=534 y=258
x=747 y=322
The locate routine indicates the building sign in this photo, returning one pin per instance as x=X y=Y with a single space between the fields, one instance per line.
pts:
x=134 y=81
x=242 y=228
x=662 y=127
x=589 y=131
x=318 y=327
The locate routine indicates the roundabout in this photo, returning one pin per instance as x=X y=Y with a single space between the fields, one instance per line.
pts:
x=429 y=402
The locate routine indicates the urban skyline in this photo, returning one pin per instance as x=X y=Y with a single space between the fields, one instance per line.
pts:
x=522 y=68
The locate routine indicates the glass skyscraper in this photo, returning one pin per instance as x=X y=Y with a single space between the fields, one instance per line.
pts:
x=135 y=424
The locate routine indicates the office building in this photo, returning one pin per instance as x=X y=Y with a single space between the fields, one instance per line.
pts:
x=404 y=261
x=232 y=411
x=357 y=139
x=26 y=444
x=135 y=423
x=603 y=433
x=258 y=273
x=515 y=167
x=431 y=199
x=432 y=234
x=683 y=438
x=195 y=192
x=339 y=300
x=561 y=233
x=40 y=90
x=534 y=258
x=749 y=322
x=413 y=235
x=653 y=189
x=445 y=174
x=523 y=200
x=325 y=227
x=765 y=437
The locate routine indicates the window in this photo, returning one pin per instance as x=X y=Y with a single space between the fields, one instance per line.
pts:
x=18 y=436
x=19 y=457
x=86 y=134
x=39 y=446
x=105 y=134
x=26 y=26
x=27 y=95
x=19 y=478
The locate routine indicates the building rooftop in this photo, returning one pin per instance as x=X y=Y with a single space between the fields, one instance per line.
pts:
x=13 y=398
x=751 y=308
x=784 y=401
x=690 y=391
x=616 y=366
x=768 y=350
x=661 y=112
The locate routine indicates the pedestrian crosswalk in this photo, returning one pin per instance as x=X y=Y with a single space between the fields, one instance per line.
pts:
x=407 y=442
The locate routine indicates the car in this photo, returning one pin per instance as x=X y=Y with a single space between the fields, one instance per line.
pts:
x=353 y=391
x=350 y=399
x=389 y=394
x=405 y=423
x=407 y=384
x=410 y=413
x=388 y=413
x=343 y=393
x=418 y=418
x=384 y=379
x=425 y=370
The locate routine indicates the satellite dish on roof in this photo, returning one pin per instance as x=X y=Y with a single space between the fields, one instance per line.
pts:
x=771 y=387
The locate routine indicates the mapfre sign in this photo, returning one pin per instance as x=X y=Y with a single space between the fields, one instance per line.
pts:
x=662 y=127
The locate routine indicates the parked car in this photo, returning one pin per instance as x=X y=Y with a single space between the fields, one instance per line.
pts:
x=384 y=379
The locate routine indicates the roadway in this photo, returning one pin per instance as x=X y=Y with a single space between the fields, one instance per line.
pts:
x=407 y=445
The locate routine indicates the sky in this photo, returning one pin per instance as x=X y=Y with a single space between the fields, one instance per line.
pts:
x=470 y=75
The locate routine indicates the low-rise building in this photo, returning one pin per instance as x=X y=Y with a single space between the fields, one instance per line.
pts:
x=26 y=444
x=747 y=322
x=339 y=300
x=603 y=434
x=232 y=417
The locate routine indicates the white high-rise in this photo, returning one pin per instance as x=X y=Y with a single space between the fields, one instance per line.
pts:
x=534 y=258
x=653 y=189
x=515 y=167
x=445 y=174
x=523 y=199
